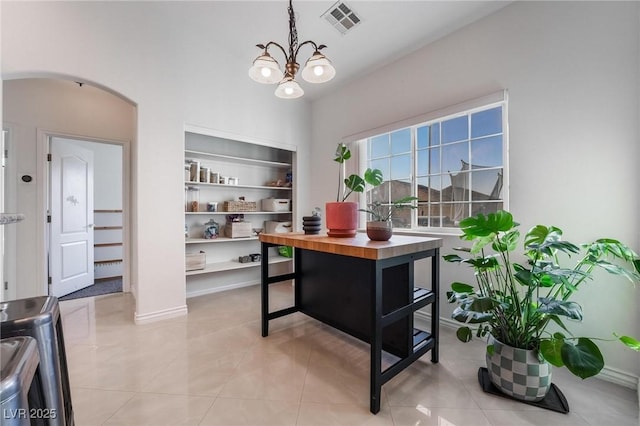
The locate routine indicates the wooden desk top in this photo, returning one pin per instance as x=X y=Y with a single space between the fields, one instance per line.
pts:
x=358 y=246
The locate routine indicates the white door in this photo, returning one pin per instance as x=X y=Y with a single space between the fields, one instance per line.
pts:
x=71 y=230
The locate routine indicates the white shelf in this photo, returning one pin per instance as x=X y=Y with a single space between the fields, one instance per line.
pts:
x=218 y=240
x=225 y=213
x=221 y=185
x=233 y=265
x=200 y=155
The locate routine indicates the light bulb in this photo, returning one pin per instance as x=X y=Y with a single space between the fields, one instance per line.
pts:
x=318 y=70
x=288 y=90
x=266 y=72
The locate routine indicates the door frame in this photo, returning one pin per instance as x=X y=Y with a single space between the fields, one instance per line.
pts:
x=43 y=190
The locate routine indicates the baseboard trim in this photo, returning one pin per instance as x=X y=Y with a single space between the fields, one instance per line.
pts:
x=219 y=289
x=160 y=315
x=609 y=374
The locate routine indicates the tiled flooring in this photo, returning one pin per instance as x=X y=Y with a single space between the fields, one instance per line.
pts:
x=213 y=368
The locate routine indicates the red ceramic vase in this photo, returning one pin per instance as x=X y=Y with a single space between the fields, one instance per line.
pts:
x=342 y=219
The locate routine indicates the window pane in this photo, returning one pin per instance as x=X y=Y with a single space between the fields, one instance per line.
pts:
x=487 y=122
x=379 y=146
x=400 y=167
x=456 y=129
x=401 y=218
x=423 y=162
x=435 y=188
x=423 y=189
x=456 y=187
x=434 y=163
x=382 y=164
x=378 y=194
x=486 y=184
x=454 y=156
x=487 y=151
x=400 y=189
x=428 y=214
x=423 y=137
x=486 y=208
x=401 y=141
x=435 y=134
x=453 y=213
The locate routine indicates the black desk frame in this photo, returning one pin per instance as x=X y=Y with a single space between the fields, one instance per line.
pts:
x=341 y=290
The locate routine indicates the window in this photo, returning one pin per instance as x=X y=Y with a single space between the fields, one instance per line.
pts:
x=453 y=164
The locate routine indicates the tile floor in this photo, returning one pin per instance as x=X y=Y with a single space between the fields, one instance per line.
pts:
x=213 y=368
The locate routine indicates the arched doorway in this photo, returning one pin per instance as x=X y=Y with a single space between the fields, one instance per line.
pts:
x=34 y=110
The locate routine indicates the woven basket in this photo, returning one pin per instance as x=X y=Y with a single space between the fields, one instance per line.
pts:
x=240 y=206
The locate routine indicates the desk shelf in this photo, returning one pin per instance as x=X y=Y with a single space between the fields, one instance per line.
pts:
x=232 y=265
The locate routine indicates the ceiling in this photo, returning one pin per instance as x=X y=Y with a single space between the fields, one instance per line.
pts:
x=388 y=30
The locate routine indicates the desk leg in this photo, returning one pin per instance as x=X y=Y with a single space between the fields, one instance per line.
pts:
x=435 y=311
x=376 y=342
x=264 y=288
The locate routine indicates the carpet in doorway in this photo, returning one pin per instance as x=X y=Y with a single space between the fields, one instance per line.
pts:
x=97 y=289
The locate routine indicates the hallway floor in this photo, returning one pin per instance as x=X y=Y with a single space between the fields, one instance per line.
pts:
x=213 y=368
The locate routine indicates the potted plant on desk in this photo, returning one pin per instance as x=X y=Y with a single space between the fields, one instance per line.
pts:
x=342 y=215
x=514 y=304
x=380 y=228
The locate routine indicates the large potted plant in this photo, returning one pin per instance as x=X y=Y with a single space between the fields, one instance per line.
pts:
x=342 y=215
x=523 y=307
x=380 y=228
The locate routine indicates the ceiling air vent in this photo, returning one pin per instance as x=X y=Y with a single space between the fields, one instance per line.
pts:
x=341 y=17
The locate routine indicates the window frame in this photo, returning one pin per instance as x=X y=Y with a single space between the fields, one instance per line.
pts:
x=464 y=109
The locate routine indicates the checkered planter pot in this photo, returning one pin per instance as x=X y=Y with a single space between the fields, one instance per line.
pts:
x=518 y=372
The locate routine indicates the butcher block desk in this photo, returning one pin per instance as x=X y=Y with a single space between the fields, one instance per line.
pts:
x=364 y=288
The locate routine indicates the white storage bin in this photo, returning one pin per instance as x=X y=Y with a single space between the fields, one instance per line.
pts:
x=275 y=227
x=276 y=205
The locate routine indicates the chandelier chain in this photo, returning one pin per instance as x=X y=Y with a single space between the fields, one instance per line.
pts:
x=293 y=34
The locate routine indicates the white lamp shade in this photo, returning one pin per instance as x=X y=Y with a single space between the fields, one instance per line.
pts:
x=318 y=69
x=265 y=70
x=289 y=89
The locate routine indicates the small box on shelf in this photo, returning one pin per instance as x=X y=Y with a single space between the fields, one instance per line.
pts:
x=275 y=227
x=276 y=205
x=195 y=261
x=240 y=206
x=238 y=229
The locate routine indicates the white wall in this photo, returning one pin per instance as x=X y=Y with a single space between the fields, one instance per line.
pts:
x=175 y=77
x=572 y=71
x=64 y=108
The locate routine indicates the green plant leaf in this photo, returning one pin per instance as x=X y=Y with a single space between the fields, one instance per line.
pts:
x=354 y=183
x=629 y=341
x=470 y=317
x=464 y=334
x=558 y=321
x=560 y=307
x=523 y=276
x=342 y=153
x=462 y=287
x=481 y=242
x=490 y=350
x=483 y=304
x=614 y=269
x=483 y=226
x=452 y=258
x=583 y=359
x=551 y=350
x=373 y=177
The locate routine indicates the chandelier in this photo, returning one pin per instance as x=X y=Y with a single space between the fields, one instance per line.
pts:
x=266 y=69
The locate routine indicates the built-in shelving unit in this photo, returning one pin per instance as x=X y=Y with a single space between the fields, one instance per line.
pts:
x=259 y=170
